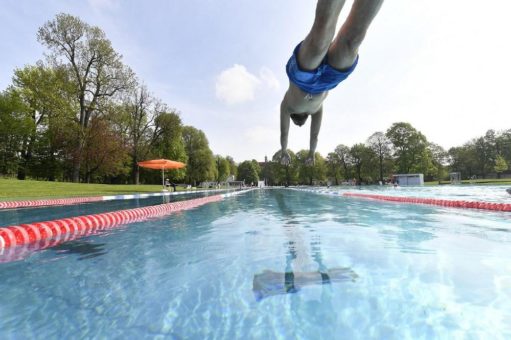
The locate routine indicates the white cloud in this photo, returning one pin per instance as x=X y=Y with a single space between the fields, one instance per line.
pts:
x=237 y=85
x=268 y=77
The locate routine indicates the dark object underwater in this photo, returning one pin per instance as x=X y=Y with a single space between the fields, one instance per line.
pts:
x=270 y=283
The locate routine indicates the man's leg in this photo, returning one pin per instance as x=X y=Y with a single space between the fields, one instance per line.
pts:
x=315 y=46
x=344 y=49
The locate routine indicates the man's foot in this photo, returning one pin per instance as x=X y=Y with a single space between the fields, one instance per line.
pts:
x=285 y=159
x=310 y=161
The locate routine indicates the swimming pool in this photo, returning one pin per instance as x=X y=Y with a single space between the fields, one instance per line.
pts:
x=45 y=213
x=272 y=264
x=486 y=193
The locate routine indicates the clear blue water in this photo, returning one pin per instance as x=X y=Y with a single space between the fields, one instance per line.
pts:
x=486 y=193
x=250 y=267
x=28 y=215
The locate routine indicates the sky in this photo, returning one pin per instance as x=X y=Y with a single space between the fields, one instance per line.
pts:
x=443 y=66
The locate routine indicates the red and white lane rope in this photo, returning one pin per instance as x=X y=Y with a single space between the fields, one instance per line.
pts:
x=20 y=252
x=78 y=200
x=41 y=203
x=434 y=201
x=418 y=200
x=84 y=225
x=18 y=241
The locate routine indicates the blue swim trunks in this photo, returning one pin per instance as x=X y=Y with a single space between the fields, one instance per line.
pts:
x=322 y=79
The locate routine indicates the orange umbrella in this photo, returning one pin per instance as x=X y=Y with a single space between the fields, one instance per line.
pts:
x=162 y=164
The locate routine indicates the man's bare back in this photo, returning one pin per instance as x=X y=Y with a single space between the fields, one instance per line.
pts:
x=319 y=64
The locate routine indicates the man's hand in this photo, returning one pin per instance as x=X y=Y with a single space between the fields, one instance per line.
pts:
x=285 y=159
x=310 y=161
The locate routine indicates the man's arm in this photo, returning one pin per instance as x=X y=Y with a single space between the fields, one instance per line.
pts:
x=284 y=132
x=315 y=127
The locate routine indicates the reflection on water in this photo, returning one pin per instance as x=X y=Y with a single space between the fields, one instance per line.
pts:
x=86 y=249
x=301 y=269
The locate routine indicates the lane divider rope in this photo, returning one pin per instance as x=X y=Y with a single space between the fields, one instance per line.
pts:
x=19 y=240
x=78 y=200
x=57 y=201
x=433 y=201
x=493 y=206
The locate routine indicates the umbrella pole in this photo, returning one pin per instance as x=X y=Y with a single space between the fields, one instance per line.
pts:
x=163 y=178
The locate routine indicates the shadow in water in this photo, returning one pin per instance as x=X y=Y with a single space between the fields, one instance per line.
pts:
x=270 y=283
x=290 y=280
x=86 y=250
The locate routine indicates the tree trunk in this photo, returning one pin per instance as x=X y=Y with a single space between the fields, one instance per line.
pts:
x=21 y=173
x=53 y=166
x=381 y=169
x=76 y=170
x=26 y=154
x=77 y=161
x=135 y=172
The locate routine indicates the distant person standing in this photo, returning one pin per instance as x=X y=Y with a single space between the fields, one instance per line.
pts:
x=319 y=63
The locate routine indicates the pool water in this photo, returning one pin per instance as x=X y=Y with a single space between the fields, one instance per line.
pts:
x=29 y=215
x=272 y=264
x=486 y=193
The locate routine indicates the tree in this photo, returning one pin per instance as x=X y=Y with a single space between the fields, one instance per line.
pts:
x=343 y=154
x=167 y=140
x=503 y=143
x=201 y=163
x=308 y=173
x=305 y=171
x=15 y=127
x=267 y=172
x=257 y=167
x=410 y=148
x=104 y=155
x=285 y=174
x=500 y=165
x=137 y=119
x=361 y=157
x=247 y=172
x=333 y=166
x=463 y=159
x=223 y=168
x=381 y=146
x=486 y=152
x=233 y=168
x=49 y=95
x=438 y=162
x=94 y=67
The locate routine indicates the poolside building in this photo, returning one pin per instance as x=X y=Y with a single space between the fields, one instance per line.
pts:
x=408 y=179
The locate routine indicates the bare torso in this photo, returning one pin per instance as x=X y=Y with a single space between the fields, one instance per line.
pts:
x=297 y=101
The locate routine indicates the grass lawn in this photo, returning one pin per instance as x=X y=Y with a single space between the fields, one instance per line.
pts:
x=504 y=181
x=13 y=189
